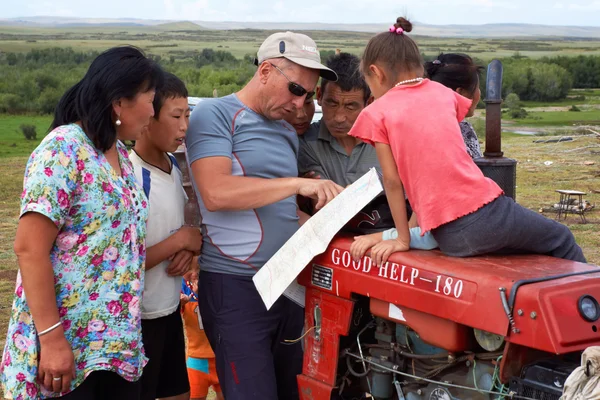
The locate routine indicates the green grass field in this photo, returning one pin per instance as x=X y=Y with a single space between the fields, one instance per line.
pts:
x=175 y=40
x=579 y=97
x=12 y=141
x=561 y=118
x=551 y=117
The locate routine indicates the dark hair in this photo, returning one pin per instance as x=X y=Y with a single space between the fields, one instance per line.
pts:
x=120 y=72
x=454 y=71
x=172 y=88
x=398 y=52
x=347 y=67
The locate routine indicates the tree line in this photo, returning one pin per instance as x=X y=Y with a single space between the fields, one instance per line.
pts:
x=33 y=82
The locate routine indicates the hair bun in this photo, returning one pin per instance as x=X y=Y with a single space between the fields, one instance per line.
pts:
x=432 y=67
x=403 y=23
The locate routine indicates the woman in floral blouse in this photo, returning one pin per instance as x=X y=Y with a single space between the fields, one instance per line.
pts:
x=75 y=323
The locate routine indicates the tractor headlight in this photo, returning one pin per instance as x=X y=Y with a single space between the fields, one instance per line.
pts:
x=589 y=308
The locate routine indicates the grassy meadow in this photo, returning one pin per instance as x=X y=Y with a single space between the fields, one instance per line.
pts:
x=178 y=39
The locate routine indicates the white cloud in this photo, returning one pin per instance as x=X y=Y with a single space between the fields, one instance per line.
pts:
x=589 y=6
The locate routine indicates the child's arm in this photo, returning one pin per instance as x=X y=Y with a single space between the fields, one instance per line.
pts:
x=413 y=222
x=186 y=238
x=395 y=195
x=184 y=299
x=363 y=243
x=394 y=191
x=181 y=263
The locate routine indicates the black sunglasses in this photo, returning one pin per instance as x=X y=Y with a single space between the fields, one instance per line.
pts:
x=294 y=88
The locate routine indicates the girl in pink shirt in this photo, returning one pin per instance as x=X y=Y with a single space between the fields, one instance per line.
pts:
x=413 y=125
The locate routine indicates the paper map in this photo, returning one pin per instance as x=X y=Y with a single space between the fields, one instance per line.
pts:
x=312 y=239
x=296 y=292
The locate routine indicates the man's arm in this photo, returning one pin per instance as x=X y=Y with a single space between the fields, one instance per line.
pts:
x=209 y=142
x=222 y=191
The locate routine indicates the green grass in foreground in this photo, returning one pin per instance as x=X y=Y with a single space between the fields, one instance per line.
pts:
x=12 y=141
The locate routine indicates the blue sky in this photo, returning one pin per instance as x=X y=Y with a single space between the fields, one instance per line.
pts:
x=439 y=12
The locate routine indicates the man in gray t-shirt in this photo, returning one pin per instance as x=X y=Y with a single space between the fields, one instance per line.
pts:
x=326 y=148
x=243 y=162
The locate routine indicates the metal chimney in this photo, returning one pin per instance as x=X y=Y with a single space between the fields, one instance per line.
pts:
x=493 y=164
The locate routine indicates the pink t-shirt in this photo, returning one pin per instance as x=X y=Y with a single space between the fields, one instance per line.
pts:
x=420 y=124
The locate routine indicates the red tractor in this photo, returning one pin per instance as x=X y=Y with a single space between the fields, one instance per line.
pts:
x=425 y=326
x=428 y=326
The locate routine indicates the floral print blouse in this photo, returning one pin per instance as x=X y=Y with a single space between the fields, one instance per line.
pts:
x=98 y=261
x=471 y=140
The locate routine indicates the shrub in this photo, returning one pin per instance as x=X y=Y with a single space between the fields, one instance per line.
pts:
x=518 y=113
x=28 y=131
x=512 y=101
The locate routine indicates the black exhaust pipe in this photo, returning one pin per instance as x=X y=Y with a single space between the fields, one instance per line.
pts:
x=493 y=164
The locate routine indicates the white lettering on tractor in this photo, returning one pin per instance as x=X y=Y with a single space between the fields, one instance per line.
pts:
x=346 y=259
x=356 y=265
x=383 y=270
x=394 y=273
x=402 y=275
x=366 y=260
x=413 y=274
x=335 y=257
x=444 y=285
x=448 y=288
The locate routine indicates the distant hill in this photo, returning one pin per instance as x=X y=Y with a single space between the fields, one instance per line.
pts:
x=61 y=21
x=475 y=31
x=107 y=24
x=180 y=26
x=479 y=31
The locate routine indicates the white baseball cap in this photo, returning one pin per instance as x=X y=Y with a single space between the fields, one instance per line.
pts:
x=297 y=48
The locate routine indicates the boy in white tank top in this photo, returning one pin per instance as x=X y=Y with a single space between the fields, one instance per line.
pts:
x=170 y=244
